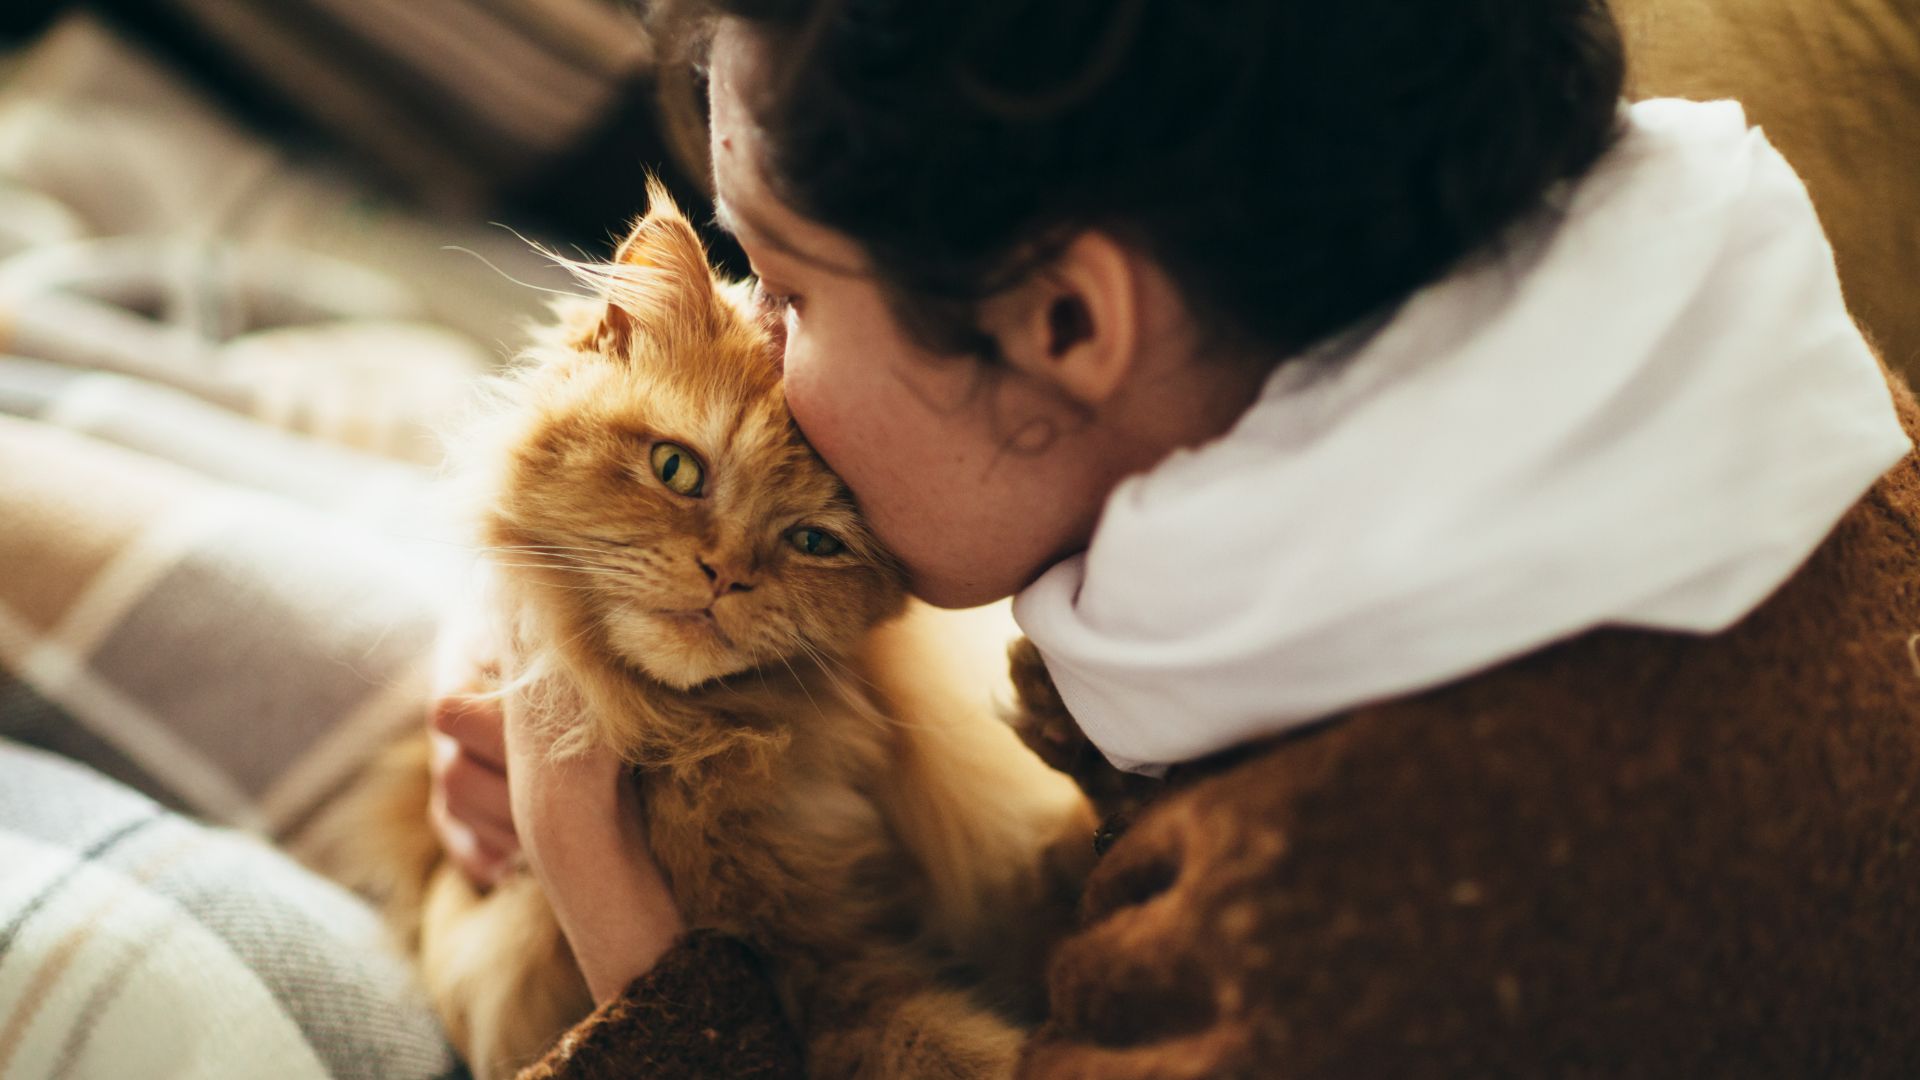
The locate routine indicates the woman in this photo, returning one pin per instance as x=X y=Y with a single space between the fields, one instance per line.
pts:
x=1471 y=497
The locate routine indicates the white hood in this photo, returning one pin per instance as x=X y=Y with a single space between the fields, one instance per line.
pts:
x=1647 y=413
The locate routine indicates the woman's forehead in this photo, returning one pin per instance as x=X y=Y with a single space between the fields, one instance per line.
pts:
x=742 y=201
x=744 y=204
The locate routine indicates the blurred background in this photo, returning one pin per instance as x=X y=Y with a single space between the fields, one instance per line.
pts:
x=219 y=195
x=254 y=257
x=254 y=254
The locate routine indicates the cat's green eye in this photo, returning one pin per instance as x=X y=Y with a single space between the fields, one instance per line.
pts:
x=814 y=541
x=677 y=468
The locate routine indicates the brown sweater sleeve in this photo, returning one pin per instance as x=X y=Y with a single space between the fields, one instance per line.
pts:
x=706 y=1010
x=1150 y=987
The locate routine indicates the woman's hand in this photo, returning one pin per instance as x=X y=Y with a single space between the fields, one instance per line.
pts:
x=580 y=825
x=469 y=807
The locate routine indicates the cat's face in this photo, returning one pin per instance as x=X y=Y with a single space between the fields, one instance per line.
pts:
x=657 y=484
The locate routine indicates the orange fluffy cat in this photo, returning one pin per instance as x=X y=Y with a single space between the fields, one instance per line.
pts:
x=686 y=582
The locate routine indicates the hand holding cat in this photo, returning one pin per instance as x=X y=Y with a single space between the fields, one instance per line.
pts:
x=581 y=827
x=469 y=807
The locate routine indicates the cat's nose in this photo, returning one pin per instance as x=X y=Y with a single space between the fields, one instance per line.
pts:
x=723 y=580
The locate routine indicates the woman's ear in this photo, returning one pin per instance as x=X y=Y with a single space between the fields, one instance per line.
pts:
x=1074 y=324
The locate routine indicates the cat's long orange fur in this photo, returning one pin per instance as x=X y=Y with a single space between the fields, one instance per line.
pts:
x=814 y=780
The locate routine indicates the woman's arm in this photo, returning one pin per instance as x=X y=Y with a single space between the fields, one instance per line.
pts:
x=499 y=793
x=585 y=839
x=670 y=1003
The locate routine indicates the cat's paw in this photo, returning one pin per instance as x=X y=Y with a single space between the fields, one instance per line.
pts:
x=933 y=1034
x=1039 y=717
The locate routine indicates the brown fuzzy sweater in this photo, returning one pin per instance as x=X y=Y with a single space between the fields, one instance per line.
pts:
x=1629 y=854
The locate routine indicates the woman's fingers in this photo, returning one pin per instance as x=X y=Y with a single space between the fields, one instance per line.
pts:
x=477 y=855
x=471 y=805
x=478 y=837
x=476 y=790
x=476 y=723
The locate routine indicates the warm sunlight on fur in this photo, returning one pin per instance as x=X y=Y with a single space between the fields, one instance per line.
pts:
x=686 y=582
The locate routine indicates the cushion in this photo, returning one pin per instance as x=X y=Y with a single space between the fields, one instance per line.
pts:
x=135 y=942
x=230 y=649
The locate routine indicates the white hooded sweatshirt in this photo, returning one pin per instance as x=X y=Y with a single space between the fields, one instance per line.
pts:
x=1647 y=411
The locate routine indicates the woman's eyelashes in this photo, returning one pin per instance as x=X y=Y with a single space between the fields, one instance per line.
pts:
x=783 y=304
x=774 y=300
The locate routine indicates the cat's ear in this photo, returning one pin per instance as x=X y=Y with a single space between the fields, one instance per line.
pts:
x=659 y=274
x=663 y=238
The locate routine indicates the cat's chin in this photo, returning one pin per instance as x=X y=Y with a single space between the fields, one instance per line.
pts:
x=679 y=649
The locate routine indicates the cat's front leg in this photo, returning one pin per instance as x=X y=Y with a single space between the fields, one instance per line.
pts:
x=887 y=1031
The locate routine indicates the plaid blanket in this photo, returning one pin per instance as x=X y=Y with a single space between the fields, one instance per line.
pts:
x=232 y=619
x=127 y=949
x=226 y=617
x=234 y=627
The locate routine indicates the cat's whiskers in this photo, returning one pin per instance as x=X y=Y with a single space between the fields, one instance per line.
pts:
x=572 y=588
x=862 y=703
x=551 y=563
x=563 y=568
x=614 y=576
x=832 y=669
x=592 y=558
x=803 y=688
x=558 y=547
x=789 y=632
x=819 y=660
x=526 y=561
x=836 y=663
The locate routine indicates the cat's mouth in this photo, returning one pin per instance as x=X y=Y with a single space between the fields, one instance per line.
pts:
x=700 y=620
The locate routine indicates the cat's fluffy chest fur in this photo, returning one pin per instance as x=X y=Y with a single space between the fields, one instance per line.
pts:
x=816 y=794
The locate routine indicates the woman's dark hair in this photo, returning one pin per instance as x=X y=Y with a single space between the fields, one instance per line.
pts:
x=1294 y=165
